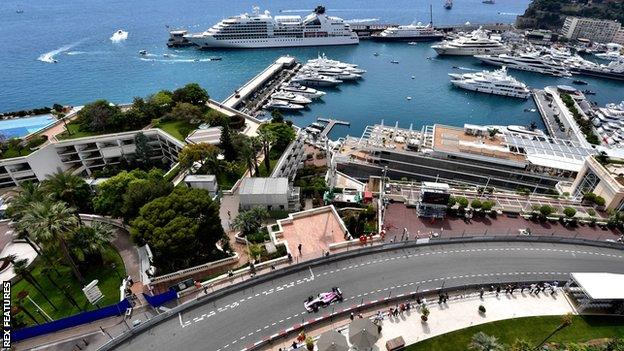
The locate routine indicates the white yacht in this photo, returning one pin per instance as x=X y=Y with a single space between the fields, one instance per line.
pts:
x=331 y=72
x=261 y=30
x=609 y=123
x=410 y=32
x=290 y=97
x=614 y=53
x=532 y=62
x=614 y=70
x=302 y=90
x=474 y=43
x=314 y=79
x=281 y=105
x=497 y=82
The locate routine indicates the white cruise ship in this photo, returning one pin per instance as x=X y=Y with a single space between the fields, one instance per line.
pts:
x=531 y=62
x=497 y=82
x=474 y=43
x=410 y=32
x=261 y=30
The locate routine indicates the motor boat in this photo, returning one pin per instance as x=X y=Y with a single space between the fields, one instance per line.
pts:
x=290 y=97
x=302 y=90
x=281 y=105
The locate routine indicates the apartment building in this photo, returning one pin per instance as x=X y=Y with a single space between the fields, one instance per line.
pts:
x=85 y=155
x=598 y=30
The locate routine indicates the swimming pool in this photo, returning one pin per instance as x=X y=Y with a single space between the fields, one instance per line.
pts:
x=19 y=127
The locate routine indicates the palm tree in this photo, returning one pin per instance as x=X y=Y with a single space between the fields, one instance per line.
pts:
x=483 y=342
x=248 y=154
x=566 y=321
x=67 y=187
x=91 y=240
x=53 y=223
x=20 y=268
x=28 y=194
x=521 y=345
x=266 y=138
x=249 y=221
x=19 y=304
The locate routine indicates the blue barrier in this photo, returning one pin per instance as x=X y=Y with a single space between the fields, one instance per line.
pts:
x=160 y=299
x=72 y=321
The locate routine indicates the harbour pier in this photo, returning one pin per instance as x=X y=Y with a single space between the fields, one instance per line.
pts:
x=331 y=123
x=250 y=97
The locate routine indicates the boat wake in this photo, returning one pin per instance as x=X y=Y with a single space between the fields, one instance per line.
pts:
x=74 y=53
x=119 y=36
x=362 y=20
x=467 y=69
x=509 y=14
x=48 y=57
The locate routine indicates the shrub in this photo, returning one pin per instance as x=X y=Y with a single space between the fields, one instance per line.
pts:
x=452 y=201
x=481 y=309
x=547 y=210
x=569 y=212
x=462 y=202
x=476 y=204
x=591 y=212
x=599 y=200
x=309 y=343
x=488 y=205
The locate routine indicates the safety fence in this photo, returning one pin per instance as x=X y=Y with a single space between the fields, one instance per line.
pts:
x=72 y=321
x=160 y=299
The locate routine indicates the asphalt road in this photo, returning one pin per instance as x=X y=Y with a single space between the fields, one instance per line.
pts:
x=240 y=319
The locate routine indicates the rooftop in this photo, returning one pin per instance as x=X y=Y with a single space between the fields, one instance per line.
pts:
x=267 y=186
x=210 y=136
x=200 y=178
x=601 y=286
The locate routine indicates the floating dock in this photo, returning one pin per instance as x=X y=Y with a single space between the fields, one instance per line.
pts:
x=250 y=96
x=331 y=123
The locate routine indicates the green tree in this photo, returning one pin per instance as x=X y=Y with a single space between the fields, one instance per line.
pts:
x=141 y=191
x=72 y=189
x=249 y=221
x=202 y=153
x=546 y=210
x=226 y=144
x=184 y=111
x=143 y=152
x=483 y=342
x=266 y=138
x=21 y=269
x=53 y=224
x=277 y=116
x=89 y=241
x=569 y=212
x=191 y=93
x=115 y=198
x=488 y=205
x=599 y=201
x=158 y=104
x=98 y=115
x=476 y=204
x=521 y=345
x=182 y=229
x=452 y=201
x=462 y=202
x=282 y=134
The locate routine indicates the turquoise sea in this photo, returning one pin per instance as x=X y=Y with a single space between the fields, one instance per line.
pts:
x=91 y=66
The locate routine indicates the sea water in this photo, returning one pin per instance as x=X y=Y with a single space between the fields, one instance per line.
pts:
x=76 y=34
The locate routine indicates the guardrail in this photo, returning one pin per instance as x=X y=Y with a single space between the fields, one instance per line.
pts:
x=339 y=257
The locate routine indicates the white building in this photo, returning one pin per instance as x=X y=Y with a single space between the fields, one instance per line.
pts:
x=292 y=158
x=619 y=37
x=598 y=30
x=84 y=155
x=203 y=181
x=270 y=193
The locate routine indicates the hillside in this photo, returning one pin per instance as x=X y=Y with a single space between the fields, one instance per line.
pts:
x=550 y=14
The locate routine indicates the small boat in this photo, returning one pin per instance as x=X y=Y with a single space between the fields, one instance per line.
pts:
x=579 y=82
x=413 y=77
x=196 y=60
x=291 y=97
x=142 y=52
x=412 y=43
x=409 y=98
x=456 y=67
x=489 y=2
x=589 y=92
x=19 y=11
x=394 y=61
x=376 y=54
x=215 y=58
x=529 y=110
x=166 y=55
x=448 y=4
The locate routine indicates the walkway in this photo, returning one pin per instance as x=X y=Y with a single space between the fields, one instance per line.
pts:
x=458 y=313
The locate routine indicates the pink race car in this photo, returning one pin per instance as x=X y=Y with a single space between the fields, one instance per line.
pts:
x=323 y=299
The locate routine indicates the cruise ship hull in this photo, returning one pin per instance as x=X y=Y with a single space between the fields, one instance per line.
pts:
x=468 y=51
x=481 y=89
x=421 y=38
x=598 y=73
x=529 y=68
x=209 y=42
